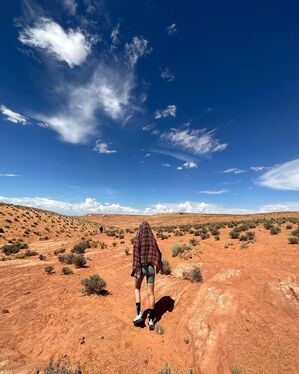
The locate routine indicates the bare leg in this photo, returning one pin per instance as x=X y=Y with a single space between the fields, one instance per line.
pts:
x=137 y=292
x=151 y=295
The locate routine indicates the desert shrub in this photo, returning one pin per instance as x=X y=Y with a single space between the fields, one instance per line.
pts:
x=289 y=227
x=215 y=232
x=127 y=252
x=14 y=248
x=250 y=235
x=132 y=240
x=159 y=329
x=79 y=260
x=193 y=242
x=234 y=234
x=217 y=237
x=177 y=249
x=293 y=240
x=58 y=251
x=243 y=238
x=275 y=230
x=166 y=267
x=235 y=370
x=29 y=253
x=20 y=256
x=168 y=370
x=162 y=236
x=49 y=269
x=66 y=271
x=114 y=244
x=102 y=245
x=67 y=258
x=81 y=247
x=197 y=233
x=56 y=368
x=42 y=257
x=196 y=275
x=268 y=226
x=94 y=284
x=204 y=235
x=296 y=233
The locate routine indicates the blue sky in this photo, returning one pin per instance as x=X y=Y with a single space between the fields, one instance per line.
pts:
x=155 y=106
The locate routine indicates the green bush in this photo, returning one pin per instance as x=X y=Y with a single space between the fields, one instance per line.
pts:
x=193 y=242
x=67 y=258
x=166 y=267
x=9 y=249
x=93 y=285
x=49 y=269
x=275 y=230
x=81 y=247
x=196 y=276
x=79 y=260
x=234 y=234
x=29 y=253
x=296 y=233
x=177 y=249
x=42 y=257
x=204 y=235
x=66 y=271
x=293 y=240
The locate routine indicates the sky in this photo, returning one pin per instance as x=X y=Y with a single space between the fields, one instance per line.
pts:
x=149 y=106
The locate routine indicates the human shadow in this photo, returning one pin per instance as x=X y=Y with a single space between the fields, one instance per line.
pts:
x=163 y=305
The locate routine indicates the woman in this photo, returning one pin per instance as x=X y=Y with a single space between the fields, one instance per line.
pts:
x=146 y=256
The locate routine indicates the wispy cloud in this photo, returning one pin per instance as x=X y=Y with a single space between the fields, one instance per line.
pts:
x=175 y=154
x=136 y=49
x=169 y=111
x=70 y=6
x=282 y=177
x=198 y=141
x=166 y=165
x=280 y=207
x=89 y=205
x=108 y=94
x=102 y=147
x=12 y=116
x=259 y=168
x=70 y=46
x=234 y=171
x=172 y=29
x=213 y=192
x=167 y=75
x=8 y=175
x=114 y=36
x=149 y=127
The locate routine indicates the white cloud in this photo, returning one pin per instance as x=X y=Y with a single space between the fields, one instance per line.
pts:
x=234 y=171
x=177 y=155
x=107 y=93
x=282 y=207
x=13 y=117
x=259 y=168
x=89 y=205
x=114 y=36
x=179 y=168
x=102 y=147
x=213 y=192
x=190 y=165
x=167 y=75
x=147 y=155
x=198 y=141
x=166 y=165
x=192 y=207
x=136 y=49
x=282 y=177
x=8 y=175
x=70 y=6
x=172 y=29
x=149 y=127
x=169 y=111
x=71 y=46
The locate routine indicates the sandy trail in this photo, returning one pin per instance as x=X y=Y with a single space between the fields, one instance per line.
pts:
x=245 y=313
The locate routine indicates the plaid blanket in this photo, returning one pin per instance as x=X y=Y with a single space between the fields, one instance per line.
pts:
x=145 y=250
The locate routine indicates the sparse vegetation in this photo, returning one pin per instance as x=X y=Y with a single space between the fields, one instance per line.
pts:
x=159 y=329
x=127 y=252
x=193 y=242
x=49 y=269
x=293 y=240
x=79 y=260
x=166 y=267
x=177 y=249
x=275 y=230
x=58 y=368
x=66 y=271
x=93 y=285
x=81 y=247
x=235 y=370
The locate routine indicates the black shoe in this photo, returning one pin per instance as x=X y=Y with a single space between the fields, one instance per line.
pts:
x=151 y=324
x=138 y=320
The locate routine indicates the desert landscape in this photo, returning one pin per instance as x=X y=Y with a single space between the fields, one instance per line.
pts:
x=228 y=301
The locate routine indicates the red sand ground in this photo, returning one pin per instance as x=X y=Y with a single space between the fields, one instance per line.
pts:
x=244 y=314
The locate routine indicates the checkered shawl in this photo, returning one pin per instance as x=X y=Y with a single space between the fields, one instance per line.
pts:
x=145 y=250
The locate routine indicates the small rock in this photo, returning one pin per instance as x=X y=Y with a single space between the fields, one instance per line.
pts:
x=82 y=340
x=4 y=311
